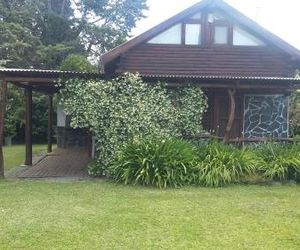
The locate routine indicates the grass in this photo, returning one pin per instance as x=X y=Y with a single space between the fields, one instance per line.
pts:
x=14 y=156
x=102 y=215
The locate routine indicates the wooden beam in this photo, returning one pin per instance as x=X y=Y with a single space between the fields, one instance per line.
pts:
x=29 y=80
x=231 y=114
x=233 y=85
x=28 y=126
x=44 y=89
x=50 y=122
x=3 y=98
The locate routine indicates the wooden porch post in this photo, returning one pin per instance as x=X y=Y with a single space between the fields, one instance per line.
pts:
x=3 y=97
x=50 y=122
x=28 y=126
x=231 y=93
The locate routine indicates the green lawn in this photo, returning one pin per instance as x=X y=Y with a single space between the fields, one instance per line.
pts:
x=102 y=215
x=14 y=156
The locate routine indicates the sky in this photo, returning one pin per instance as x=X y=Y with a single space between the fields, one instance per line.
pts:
x=278 y=16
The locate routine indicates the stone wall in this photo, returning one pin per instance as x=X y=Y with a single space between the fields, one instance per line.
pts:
x=266 y=116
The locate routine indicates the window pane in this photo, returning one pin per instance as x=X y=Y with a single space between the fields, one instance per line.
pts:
x=193 y=34
x=196 y=16
x=243 y=38
x=170 y=36
x=221 y=35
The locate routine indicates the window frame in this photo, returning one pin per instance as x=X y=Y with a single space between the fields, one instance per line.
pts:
x=220 y=23
x=207 y=32
x=172 y=44
x=230 y=27
x=200 y=22
x=264 y=44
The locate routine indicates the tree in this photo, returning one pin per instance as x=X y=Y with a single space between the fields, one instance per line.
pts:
x=45 y=32
x=17 y=45
x=78 y=63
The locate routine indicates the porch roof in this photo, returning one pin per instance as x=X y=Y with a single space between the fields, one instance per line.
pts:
x=47 y=80
x=41 y=80
x=227 y=81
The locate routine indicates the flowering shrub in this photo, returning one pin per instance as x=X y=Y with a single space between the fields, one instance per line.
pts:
x=124 y=108
x=190 y=104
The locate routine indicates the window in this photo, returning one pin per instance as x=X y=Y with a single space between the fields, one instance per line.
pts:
x=221 y=35
x=243 y=38
x=170 y=36
x=193 y=34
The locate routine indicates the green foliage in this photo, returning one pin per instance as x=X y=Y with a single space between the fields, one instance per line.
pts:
x=51 y=56
x=17 y=45
x=14 y=119
x=42 y=33
x=294 y=114
x=124 y=108
x=191 y=109
x=77 y=63
x=14 y=111
x=155 y=162
x=39 y=117
x=281 y=162
x=111 y=25
x=220 y=164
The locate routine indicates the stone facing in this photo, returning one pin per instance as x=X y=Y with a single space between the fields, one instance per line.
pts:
x=266 y=116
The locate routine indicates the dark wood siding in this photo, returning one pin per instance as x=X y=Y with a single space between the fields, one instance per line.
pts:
x=192 y=60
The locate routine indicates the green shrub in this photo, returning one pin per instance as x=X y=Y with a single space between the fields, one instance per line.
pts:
x=281 y=162
x=118 y=110
x=220 y=164
x=155 y=162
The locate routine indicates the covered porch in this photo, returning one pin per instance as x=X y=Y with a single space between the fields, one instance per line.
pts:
x=47 y=82
x=60 y=163
x=224 y=119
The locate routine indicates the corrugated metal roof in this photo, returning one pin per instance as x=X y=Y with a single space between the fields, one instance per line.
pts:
x=225 y=77
x=57 y=73
x=48 y=72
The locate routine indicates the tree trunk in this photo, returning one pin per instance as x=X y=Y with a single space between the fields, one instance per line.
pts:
x=63 y=4
x=50 y=121
x=3 y=98
x=231 y=93
x=49 y=6
x=28 y=127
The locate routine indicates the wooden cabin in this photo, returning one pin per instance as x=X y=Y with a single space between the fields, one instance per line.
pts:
x=246 y=72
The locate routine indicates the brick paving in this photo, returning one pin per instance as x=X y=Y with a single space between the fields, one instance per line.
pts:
x=59 y=163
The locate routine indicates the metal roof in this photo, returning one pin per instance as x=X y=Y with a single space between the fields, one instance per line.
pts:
x=40 y=79
x=225 y=77
x=57 y=73
x=46 y=80
x=47 y=72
